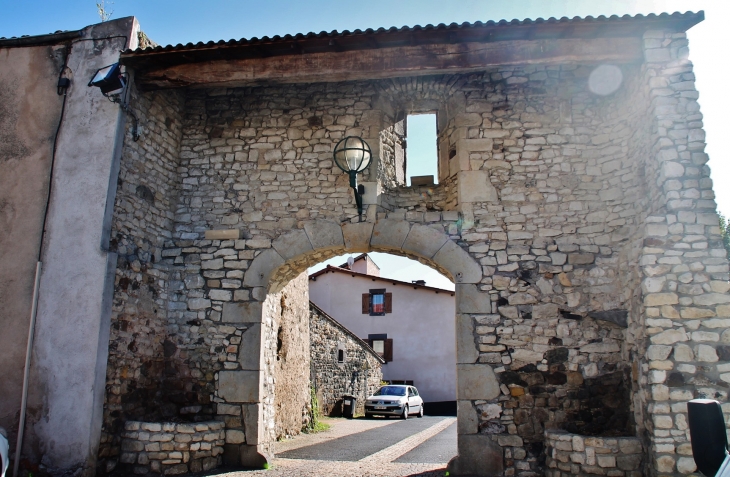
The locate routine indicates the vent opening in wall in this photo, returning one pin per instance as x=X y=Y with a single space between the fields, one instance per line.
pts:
x=421 y=150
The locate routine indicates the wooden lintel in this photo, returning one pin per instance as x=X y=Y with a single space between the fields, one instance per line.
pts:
x=390 y=62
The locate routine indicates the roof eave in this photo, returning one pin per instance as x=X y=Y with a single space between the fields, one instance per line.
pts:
x=440 y=34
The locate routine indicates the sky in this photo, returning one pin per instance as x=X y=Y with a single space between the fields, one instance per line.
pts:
x=183 y=21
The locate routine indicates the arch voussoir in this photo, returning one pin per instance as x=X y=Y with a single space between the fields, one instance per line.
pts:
x=459 y=263
x=324 y=234
x=389 y=234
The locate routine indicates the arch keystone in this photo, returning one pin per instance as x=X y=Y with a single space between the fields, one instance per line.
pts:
x=324 y=234
x=259 y=271
x=357 y=236
x=459 y=263
x=390 y=234
x=424 y=241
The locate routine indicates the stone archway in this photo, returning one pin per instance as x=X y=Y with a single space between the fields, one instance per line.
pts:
x=291 y=254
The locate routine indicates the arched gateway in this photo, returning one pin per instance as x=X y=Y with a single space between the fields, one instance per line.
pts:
x=251 y=386
x=573 y=209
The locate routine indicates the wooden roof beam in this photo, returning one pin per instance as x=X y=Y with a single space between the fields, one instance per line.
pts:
x=388 y=62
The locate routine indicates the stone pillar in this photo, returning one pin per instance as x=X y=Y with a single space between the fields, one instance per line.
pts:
x=239 y=390
x=479 y=454
x=686 y=305
x=72 y=332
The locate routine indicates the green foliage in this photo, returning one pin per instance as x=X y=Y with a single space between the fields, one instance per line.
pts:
x=315 y=424
x=725 y=230
x=267 y=466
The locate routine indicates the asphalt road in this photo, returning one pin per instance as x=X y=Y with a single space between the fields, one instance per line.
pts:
x=439 y=448
x=354 y=447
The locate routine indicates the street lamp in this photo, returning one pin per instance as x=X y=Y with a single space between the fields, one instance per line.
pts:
x=352 y=155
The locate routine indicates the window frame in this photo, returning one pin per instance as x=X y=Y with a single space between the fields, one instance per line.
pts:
x=367 y=302
x=387 y=345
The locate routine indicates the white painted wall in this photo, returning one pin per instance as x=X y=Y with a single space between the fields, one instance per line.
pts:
x=422 y=327
x=68 y=373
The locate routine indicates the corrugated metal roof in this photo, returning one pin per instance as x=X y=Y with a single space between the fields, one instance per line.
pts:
x=682 y=21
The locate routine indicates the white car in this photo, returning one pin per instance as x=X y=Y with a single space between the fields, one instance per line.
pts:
x=394 y=400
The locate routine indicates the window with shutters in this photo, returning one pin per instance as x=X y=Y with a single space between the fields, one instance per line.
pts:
x=377 y=302
x=382 y=345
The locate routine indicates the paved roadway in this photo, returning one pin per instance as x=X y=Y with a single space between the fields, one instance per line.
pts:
x=367 y=448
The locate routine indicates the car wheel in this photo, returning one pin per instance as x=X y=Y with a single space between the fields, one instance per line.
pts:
x=420 y=412
x=405 y=413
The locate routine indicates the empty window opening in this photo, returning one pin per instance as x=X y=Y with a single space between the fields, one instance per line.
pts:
x=340 y=355
x=421 y=149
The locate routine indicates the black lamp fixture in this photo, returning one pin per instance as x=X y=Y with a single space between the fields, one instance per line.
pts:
x=113 y=84
x=352 y=155
x=109 y=79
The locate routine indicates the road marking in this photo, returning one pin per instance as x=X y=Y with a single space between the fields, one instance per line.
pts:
x=389 y=454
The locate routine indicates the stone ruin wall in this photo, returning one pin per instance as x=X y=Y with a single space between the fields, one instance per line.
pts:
x=683 y=352
x=287 y=357
x=574 y=181
x=550 y=244
x=360 y=374
x=141 y=377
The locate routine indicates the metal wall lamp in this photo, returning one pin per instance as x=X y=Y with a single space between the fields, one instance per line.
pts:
x=352 y=154
x=113 y=85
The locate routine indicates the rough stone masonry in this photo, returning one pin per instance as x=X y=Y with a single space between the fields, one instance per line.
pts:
x=580 y=230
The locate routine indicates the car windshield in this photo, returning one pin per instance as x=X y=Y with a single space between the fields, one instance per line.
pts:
x=391 y=391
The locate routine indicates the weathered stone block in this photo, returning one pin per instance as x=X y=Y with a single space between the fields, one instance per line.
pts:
x=357 y=236
x=251 y=419
x=235 y=436
x=260 y=270
x=254 y=456
x=246 y=312
x=467 y=418
x=476 y=381
x=475 y=186
x=324 y=234
x=466 y=350
x=470 y=300
x=424 y=241
x=478 y=455
x=390 y=234
x=239 y=386
x=223 y=234
x=669 y=337
x=249 y=354
x=292 y=244
x=459 y=263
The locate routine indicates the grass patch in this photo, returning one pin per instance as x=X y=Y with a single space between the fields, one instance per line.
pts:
x=315 y=423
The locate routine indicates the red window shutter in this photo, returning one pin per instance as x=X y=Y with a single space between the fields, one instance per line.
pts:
x=365 y=303
x=388 y=354
x=389 y=303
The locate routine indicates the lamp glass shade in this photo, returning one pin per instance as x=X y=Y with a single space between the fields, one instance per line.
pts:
x=109 y=79
x=352 y=154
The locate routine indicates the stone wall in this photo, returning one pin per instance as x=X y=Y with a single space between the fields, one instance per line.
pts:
x=290 y=357
x=359 y=374
x=575 y=455
x=549 y=196
x=686 y=304
x=171 y=448
x=143 y=383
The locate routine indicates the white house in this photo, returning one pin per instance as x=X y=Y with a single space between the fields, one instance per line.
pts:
x=408 y=323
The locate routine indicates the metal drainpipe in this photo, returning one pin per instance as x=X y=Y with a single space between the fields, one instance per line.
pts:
x=26 y=371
